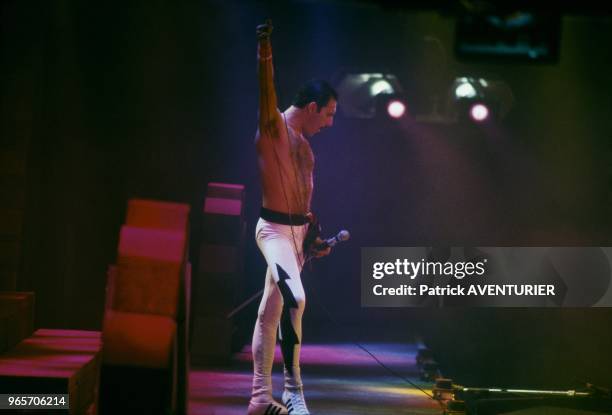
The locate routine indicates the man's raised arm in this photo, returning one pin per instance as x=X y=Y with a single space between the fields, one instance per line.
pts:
x=269 y=116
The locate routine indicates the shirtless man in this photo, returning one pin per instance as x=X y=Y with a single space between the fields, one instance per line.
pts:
x=286 y=163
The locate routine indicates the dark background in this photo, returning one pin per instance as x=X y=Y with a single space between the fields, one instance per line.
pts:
x=105 y=102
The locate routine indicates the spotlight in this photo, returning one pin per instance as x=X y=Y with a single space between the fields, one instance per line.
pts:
x=396 y=108
x=465 y=90
x=381 y=86
x=390 y=106
x=368 y=95
x=479 y=112
x=479 y=100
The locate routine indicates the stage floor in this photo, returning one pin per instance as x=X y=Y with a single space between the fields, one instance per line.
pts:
x=339 y=379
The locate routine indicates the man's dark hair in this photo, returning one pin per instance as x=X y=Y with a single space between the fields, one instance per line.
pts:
x=315 y=90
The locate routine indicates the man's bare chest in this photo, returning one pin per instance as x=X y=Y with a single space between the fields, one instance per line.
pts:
x=302 y=155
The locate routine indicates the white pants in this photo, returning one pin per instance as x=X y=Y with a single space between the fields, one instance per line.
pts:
x=282 y=304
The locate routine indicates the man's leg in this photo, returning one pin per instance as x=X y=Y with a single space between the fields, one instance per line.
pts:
x=263 y=346
x=290 y=330
x=291 y=340
x=264 y=340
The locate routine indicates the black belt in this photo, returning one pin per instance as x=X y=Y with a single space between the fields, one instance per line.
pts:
x=283 y=218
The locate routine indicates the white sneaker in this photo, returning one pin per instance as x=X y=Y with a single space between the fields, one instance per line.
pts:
x=266 y=408
x=296 y=405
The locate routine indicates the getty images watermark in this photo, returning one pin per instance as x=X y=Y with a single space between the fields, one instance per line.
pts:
x=486 y=276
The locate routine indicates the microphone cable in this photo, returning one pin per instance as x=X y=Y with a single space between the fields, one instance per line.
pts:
x=391 y=371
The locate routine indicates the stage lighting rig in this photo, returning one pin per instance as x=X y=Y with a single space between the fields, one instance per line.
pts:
x=479 y=100
x=371 y=95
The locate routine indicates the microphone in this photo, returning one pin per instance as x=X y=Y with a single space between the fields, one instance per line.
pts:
x=342 y=236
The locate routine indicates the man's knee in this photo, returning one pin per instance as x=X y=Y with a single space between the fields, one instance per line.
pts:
x=300 y=301
x=269 y=317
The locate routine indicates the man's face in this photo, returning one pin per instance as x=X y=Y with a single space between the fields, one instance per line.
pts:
x=317 y=120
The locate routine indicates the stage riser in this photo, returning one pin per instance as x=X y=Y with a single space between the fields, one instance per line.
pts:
x=146 y=319
x=157 y=215
x=55 y=361
x=16 y=318
x=218 y=287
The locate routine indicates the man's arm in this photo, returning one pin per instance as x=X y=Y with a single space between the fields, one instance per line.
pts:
x=269 y=116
